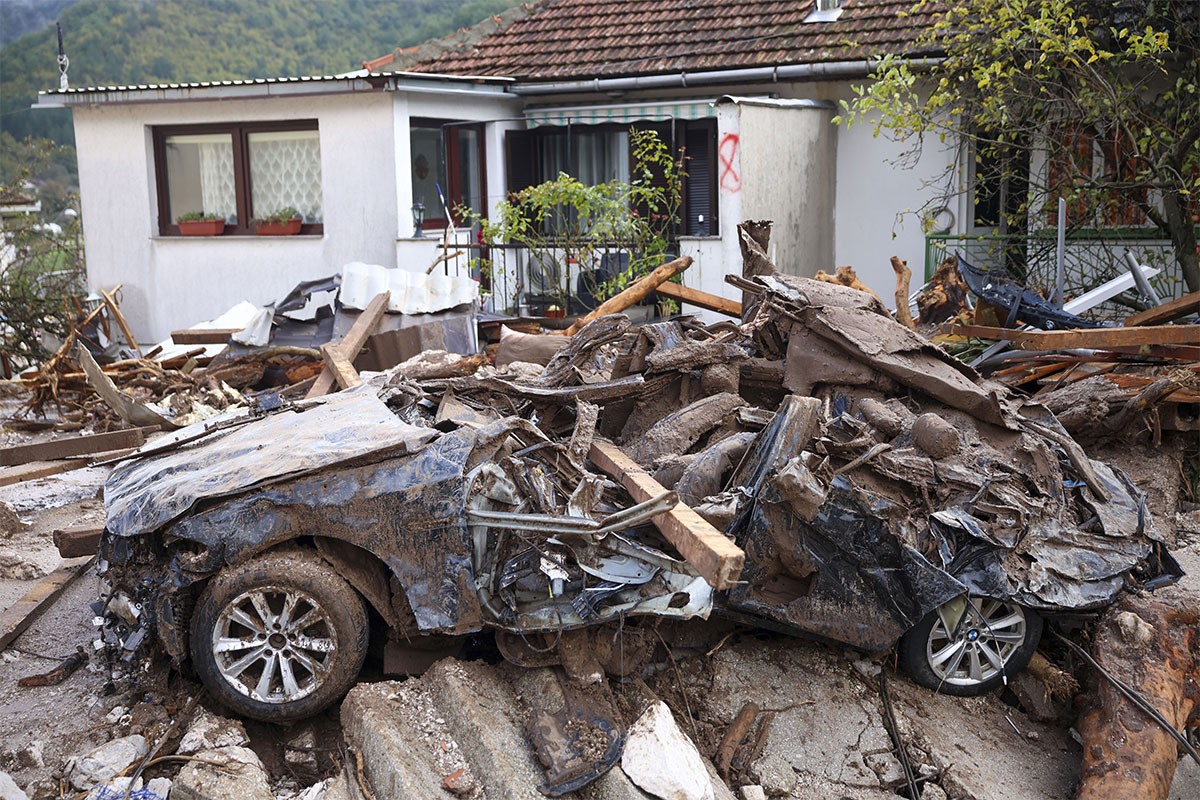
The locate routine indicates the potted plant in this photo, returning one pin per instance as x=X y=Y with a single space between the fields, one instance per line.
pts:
x=200 y=223
x=284 y=222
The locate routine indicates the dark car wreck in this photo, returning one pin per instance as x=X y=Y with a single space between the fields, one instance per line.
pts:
x=882 y=494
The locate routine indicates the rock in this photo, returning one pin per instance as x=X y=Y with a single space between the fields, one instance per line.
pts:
x=888 y=768
x=10 y=522
x=300 y=754
x=106 y=761
x=931 y=791
x=776 y=775
x=210 y=732
x=662 y=760
x=160 y=788
x=240 y=777
x=31 y=756
x=752 y=793
x=9 y=789
x=1134 y=629
x=16 y=568
x=114 y=716
x=935 y=436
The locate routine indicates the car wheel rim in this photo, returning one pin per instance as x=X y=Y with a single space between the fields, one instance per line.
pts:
x=980 y=645
x=274 y=644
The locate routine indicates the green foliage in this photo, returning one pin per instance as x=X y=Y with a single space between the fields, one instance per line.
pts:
x=41 y=277
x=198 y=216
x=285 y=214
x=1027 y=76
x=566 y=220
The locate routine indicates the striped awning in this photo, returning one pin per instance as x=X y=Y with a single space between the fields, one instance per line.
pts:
x=625 y=112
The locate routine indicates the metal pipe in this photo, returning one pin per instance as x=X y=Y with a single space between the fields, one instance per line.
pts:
x=1060 y=257
x=683 y=80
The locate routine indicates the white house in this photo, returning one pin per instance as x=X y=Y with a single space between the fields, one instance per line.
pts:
x=749 y=87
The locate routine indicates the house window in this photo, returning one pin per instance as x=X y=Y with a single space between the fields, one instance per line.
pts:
x=598 y=153
x=1100 y=162
x=240 y=171
x=450 y=156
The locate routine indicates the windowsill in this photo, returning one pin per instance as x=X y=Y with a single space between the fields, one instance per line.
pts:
x=239 y=237
x=711 y=238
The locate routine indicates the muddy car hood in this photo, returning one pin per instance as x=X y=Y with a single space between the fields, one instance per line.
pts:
x=230 y=456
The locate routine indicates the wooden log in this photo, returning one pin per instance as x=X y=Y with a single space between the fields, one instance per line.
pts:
x=1093 y=338
x=705 y=548
x=78 y=540
x=635 y=292
x=846 y=276
x=1188 y=304
x=203 y=335
x=734 y=735
x=25 y=611
x=354 y=340
x=75 y=446
x=1151 y=643
x=695 y=297
x=903 y=277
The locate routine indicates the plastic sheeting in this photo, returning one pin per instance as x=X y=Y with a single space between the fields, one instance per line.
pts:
x=411 y=292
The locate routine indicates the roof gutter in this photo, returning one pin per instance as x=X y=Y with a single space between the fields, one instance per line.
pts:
x=829 y=70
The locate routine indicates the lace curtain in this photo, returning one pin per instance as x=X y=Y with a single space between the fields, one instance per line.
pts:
x=285 y=170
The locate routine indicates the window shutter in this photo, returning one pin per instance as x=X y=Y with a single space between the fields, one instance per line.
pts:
x=520 y=158
x=699 y=207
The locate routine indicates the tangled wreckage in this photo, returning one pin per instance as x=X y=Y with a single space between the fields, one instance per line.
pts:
x=818 y=469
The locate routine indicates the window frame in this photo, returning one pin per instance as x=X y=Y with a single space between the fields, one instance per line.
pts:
x=448 y=151
x=240 y=133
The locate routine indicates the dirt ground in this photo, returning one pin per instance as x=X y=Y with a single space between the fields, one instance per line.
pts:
x=828 y=742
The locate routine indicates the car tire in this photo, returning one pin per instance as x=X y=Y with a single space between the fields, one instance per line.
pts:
x=279 y=638
x=993 y=641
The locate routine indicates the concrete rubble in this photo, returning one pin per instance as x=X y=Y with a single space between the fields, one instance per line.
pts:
x=820 y=469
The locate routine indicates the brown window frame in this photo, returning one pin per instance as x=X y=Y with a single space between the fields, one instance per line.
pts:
x=449 y=129
x=240 y=132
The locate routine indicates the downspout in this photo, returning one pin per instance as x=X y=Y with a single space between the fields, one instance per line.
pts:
x=827 y=70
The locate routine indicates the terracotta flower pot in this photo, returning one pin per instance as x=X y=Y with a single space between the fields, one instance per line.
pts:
x=202 y=227
x=288 y=228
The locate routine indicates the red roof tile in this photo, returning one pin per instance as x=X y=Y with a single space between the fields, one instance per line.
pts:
x=610 y=38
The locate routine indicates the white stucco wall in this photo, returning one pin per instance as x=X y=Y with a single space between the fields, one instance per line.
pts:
x=174 y=282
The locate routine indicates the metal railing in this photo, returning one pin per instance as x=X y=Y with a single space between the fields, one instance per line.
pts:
x=1091 y=258
x=552 y=283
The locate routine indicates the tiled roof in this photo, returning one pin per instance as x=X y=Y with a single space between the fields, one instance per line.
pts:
x=558 y=39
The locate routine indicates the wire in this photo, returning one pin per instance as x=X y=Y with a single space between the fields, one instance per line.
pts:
x=1134 y=697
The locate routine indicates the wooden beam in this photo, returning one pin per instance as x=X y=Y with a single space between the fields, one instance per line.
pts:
x=110 y=299
x=44 y=469
x=353 y=341
x=203 y=335
x=74 y=446
x=78 y=540
x=695 y=297
x=22 y=614
x=336 y=362
x=1188 y=304
x=704 y=547
x=1094 y=338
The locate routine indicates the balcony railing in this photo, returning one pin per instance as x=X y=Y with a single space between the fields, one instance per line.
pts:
x=555 y=282
x=1091 y=258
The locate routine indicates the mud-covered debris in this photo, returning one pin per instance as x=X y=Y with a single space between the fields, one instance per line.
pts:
x=225 y=773
x=105 y=762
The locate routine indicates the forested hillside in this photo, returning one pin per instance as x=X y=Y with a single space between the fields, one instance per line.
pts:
x=151 y=41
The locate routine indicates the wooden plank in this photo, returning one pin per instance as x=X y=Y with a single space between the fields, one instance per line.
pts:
x=336 y=362
x=74 y=446
x=22 y=614
x=353 y=341
x=695 y=297
x=708 y=551
x=1093 y=338
x=1188 y=304
x=78 y=540
x=29 y=472
x=203 y=335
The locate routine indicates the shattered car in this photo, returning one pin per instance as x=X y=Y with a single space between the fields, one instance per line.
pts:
x=881 y=493
x=257 y=549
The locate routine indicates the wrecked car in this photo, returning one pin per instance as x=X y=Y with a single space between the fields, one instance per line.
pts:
x=883 y=495
x=259 y=549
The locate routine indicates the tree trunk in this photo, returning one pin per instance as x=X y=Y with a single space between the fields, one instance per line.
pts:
x=1183 y=236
